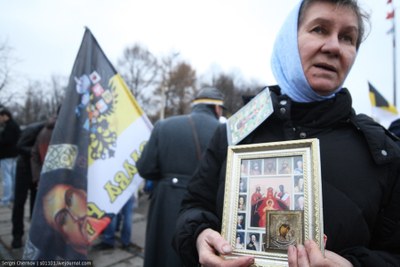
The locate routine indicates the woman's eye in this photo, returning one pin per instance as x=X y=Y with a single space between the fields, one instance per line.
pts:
x=348 y=39
x=318 y=29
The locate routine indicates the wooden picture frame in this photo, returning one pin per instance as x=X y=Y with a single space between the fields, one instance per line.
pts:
x=273 y=198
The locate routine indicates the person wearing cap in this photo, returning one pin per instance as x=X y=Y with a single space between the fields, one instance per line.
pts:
x=169 y=159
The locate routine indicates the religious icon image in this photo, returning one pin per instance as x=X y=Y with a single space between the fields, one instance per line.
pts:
x=270 y=166
x=272 y=200
x=240 y=240
x=242 y=203
x=298 y=166
x=284 y=228
x=253 y=241
x=255 y=167
x=285 y=165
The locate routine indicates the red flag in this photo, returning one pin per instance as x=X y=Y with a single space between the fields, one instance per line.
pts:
x=390 y=15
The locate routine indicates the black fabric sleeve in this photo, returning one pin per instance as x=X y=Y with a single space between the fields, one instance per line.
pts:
x=385 y=243
x=198 y=210
x=363 y=257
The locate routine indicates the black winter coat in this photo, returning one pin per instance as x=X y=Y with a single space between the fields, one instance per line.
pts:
x=24 y=146
x=360 y=180
x=8 y=139
x=170 y=158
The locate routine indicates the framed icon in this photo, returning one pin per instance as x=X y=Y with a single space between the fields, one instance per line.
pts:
x=280 y=203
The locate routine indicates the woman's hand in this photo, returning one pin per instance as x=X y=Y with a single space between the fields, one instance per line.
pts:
x=311 y=255
x=210 y=244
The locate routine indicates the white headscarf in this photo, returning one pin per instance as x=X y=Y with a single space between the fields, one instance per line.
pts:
x=286 y=63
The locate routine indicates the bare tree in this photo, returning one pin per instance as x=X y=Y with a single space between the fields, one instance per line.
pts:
x=139 y=69
x=4 y=67
x=33 y=107
x=5 y=70
x=41 y=100
x=182 y=82
x=166 y=67
x=58 y=86
x=234 y=91
x=177 y=86
x=232 y=98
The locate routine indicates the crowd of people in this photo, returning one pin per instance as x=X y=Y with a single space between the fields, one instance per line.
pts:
x=181 y=138
x=22 y=151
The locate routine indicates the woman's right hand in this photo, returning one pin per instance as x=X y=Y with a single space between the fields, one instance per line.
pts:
x=210 y=244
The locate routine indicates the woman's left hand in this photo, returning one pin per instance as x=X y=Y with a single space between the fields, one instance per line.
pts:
x=311 y=255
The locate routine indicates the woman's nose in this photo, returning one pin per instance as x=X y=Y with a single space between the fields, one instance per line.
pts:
x=331 y=45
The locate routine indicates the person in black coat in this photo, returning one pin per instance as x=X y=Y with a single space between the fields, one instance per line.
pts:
x=360 y=161
x=169 y=159
x=24 y=184
x=8 y=153
x=394 y=127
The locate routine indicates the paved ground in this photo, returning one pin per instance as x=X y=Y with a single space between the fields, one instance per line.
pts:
x=116 y=257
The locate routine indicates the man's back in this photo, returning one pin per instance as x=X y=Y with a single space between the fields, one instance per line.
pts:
x=180 y=142
x=8 y=139
x=169 y=159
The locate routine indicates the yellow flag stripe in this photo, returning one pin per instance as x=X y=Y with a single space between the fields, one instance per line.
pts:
x=389 y=108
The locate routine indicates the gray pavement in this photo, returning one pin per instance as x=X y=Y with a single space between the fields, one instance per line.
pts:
x=116 y=257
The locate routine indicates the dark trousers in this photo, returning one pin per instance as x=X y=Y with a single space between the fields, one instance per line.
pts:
x=23 y=187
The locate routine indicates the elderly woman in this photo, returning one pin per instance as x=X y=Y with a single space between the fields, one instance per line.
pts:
x=313 y=54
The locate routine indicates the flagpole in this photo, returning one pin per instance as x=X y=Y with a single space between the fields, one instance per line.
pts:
x=394 y=58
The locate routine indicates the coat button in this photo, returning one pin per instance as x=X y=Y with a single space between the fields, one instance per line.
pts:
x=384 y=153
x=303 y=135
x=283 y=111
x=283 y=102
x=175 y=180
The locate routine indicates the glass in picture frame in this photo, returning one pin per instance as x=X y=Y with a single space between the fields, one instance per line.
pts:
x=273 y=199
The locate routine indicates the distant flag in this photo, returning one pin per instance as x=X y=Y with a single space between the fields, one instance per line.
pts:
x=382 y=111
x=89 y=170
x=390 y=15
x=391 y=30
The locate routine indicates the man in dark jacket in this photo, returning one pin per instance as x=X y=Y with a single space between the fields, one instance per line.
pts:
x=23 y=181
x=170 y=158
x=394 y=127
x=40 y=147
x=8 y=153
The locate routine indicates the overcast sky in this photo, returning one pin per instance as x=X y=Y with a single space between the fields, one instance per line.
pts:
x=227 y=35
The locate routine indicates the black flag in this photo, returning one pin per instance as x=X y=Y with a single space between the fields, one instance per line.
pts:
x=89 y=169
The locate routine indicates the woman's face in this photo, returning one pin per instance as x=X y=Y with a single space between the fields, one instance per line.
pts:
x=65 y=210
x=327 y=37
